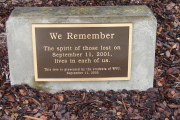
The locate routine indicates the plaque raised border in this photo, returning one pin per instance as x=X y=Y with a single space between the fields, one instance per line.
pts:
x=81 y=25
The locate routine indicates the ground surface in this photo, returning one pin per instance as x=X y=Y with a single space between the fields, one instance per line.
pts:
x=161 y=102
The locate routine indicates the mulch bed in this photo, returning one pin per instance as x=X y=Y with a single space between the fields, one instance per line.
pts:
x=162 y=102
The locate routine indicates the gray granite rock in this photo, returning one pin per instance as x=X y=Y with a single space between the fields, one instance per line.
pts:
x=19 y=36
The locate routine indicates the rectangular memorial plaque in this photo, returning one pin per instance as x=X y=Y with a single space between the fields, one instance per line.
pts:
x=82 y=52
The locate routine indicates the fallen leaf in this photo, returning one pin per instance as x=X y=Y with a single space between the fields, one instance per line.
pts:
x=60 y=97
x=168 y=54
x=33 y=118
x=22 y=92
x=170 y=5
x=173 y=106
x=72 y=102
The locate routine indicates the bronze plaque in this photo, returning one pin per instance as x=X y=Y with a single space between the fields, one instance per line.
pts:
x=82 y=52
